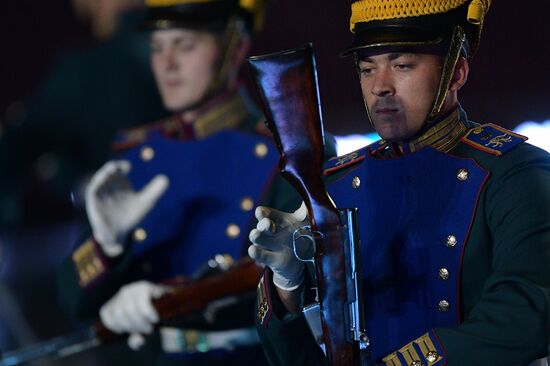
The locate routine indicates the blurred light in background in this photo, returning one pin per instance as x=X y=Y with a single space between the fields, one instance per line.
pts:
x=538 y=134
x=349 y=143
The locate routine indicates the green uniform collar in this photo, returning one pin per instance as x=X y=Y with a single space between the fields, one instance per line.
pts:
x=443 y=135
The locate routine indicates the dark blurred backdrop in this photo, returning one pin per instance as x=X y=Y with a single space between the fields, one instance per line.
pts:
x=509 y=83
x=509 y=79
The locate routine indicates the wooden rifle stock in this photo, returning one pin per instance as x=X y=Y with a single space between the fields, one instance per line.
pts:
x=194 y=296
x=288 y=87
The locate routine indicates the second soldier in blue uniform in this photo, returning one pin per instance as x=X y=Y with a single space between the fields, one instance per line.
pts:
x=181 y=190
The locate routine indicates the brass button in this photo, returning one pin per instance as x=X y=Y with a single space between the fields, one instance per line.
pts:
x=140 y=234
x=444 y=274
x=443 y=305
x=247 y=204
x=147 y=153
x=416 y=363
x=232 y=231
x=462 y=174
x=356 y=182
x=260 y=150
x=451 y=241
x=432 y=356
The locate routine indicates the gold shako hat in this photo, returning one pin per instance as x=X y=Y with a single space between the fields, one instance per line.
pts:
x=416 y=23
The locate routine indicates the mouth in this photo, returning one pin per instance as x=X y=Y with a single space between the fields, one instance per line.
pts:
x=173 y=83
x=385 y=111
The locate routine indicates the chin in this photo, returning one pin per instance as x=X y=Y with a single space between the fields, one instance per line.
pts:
x=176 y=105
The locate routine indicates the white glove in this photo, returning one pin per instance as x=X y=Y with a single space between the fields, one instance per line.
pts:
x=131 y=311
x=114 y=207
x=272 y=244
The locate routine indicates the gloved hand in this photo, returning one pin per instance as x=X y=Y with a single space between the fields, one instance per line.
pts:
x=114 y=207
x=272 y=244
x=131 y=311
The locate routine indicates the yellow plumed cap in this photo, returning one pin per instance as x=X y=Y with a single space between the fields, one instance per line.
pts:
x=363 y=11
x=414 y=22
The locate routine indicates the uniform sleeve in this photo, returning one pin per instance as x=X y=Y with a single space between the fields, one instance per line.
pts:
x=286 y=338
x=87 y=279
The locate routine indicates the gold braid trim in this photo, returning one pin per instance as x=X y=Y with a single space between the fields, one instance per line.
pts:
x=88 y=264
x=443 y=136
x=363 y=11
x=226 y=115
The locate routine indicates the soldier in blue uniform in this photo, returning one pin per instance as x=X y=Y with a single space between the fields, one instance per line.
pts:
x=454 y=219
x=181 y=191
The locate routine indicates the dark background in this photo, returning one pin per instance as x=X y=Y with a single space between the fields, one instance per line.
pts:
x=508 y=82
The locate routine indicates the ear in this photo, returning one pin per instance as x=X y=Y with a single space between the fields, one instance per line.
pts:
x=460 y=75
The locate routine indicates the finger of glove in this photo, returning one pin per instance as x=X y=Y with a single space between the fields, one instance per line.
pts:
x=120 y=313
x=263 y=256
x=268 y=240
x=140 y=311
x=136 y=341
x=110 y=169
x=98 y=182
x=281 y=219
x=301 y=213
x=138 y=319
x=147 y=312
x=109 y=318
x=151 y=193
x=126 y=316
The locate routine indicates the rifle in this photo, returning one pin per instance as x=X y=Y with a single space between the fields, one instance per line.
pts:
x=187 y=298
x=288 y=88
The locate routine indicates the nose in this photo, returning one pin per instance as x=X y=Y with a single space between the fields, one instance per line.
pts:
x=383 y=83
x=169 y=59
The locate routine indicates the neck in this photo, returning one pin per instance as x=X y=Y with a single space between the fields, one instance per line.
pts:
x=223 y=111
x=443 y=134
x=191 y=114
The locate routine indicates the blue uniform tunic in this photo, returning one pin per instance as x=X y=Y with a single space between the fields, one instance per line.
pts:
x=454 y=237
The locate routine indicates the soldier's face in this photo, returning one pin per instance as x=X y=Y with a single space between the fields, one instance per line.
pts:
x=399 y=90
x=183 y=62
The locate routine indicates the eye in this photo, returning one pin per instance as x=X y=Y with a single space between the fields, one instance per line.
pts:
x=187 y=46
x=366 y=71
x=404 y=66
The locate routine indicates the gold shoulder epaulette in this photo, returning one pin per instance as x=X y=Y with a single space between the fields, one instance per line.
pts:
x=344 y=161
x=425 y=350
x=89 y=264
x=493 y=139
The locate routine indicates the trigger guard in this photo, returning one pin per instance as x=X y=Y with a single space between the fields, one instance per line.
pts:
x=308 y=233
